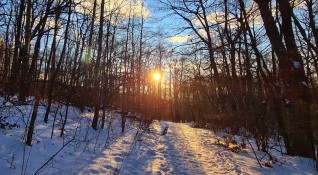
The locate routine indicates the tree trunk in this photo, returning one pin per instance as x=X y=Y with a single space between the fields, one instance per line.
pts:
x=17 y=45
x=25 y=52
x=32 y=122
x=96 y=68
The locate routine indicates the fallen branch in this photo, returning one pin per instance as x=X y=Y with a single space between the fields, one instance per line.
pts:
x=254 y=153
x=51 y=158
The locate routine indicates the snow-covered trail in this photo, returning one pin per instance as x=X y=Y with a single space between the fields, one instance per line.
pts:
x=184 y=150
x=191 y=151
x=187 y=150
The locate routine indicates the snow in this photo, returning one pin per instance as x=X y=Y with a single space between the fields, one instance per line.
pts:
x=188 y=150
x=297 y=64
x=182 y=150
x=304 y=83
x=8 y=104
x=86 y=144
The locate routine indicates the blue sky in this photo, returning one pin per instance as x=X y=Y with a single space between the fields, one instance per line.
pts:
x=161 y=20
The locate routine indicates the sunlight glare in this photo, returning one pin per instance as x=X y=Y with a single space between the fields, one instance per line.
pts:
x=156 y=76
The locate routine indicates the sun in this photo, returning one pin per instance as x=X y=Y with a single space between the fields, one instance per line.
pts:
x=156 y=76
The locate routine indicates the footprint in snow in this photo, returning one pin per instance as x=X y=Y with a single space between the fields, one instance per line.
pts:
x=109 y=167
x=125 y=142
x=116 y=154
x=151 y=153
x=118 y=159
x=94 y=172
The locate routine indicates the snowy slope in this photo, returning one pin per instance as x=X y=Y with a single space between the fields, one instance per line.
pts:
x=70 y=154
x=183 y=150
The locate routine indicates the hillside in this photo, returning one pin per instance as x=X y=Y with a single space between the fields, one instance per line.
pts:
x=163 y=148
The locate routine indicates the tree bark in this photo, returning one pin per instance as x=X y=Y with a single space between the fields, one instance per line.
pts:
x=96 y=68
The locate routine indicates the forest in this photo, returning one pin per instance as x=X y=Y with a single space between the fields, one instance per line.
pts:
x=221 y=64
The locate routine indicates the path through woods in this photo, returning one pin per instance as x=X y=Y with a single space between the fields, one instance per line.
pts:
x=183 y=150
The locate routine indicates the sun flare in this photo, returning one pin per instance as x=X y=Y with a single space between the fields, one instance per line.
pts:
x=156 y=76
